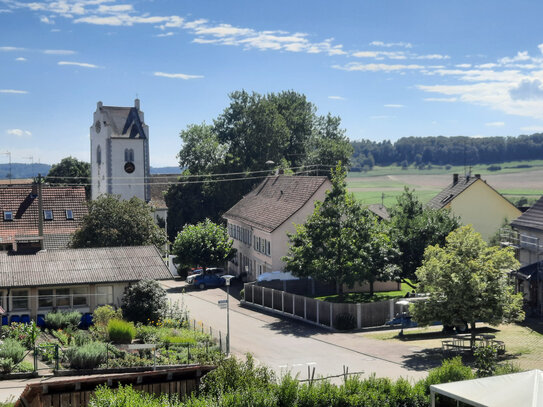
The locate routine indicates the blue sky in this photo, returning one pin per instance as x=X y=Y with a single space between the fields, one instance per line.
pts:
x=389 y=69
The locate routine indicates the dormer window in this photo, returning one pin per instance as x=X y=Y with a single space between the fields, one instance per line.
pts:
x=48 y=214
x=8 y=215
x=98 y=155
x=69 y=214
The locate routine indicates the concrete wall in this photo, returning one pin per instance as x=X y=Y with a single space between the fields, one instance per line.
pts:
x=484 y=208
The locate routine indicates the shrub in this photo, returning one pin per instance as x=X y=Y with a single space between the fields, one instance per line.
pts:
x=345 y=322
x=146 y=333
x=88 y=356
x=82 y=338
x=24 y=333
x=13 y=350
x=126 y=396
x=242 y=294
x=62 y=319
x=102 y=315
x=6 y=365
x=486 y=360
x=144 y=301
x=452 y=370
x=24 y=367
x=120 y=331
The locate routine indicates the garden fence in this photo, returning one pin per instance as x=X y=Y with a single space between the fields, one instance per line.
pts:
x=322 y=313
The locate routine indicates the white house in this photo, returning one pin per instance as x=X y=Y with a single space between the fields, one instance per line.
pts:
x=120 y=152
x=260 y=221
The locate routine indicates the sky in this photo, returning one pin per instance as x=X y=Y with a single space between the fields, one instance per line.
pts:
x=388 y=68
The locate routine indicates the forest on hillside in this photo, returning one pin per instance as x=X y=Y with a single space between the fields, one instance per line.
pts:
x=442 y=150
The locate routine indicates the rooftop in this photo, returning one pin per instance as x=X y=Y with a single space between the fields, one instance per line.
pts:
x=532 y=218
x=459 y=185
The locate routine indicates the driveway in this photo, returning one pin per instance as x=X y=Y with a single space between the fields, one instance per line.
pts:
x=287 y=345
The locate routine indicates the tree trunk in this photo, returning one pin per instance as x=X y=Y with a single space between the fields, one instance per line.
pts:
x=371 y=288
x=472 y=339
x=339 y=288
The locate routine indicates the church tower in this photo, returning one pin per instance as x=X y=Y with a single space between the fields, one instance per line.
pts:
x=120 y=152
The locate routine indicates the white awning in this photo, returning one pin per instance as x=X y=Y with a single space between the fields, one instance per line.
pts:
x=517 y=389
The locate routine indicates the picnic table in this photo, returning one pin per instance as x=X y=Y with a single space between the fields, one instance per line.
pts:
x=462 y=343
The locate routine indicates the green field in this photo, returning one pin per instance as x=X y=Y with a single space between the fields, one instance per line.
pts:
x=385 y=184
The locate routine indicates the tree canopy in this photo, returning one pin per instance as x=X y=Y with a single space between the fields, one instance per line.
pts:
x=204 y=244
x=70 y=171
x=413 y=228
x=467 y=281
x=115 y=222
x=341 y=242
x=253 y=135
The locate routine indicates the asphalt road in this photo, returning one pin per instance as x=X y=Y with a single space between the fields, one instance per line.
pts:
x=288 y=345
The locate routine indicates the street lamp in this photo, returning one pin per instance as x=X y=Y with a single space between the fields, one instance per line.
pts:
x=227 y=279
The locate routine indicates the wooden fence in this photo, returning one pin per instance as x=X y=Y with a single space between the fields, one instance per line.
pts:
x=321 y=313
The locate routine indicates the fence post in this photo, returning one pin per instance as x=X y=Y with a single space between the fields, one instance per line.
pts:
x=263 y=294
x=331 y=312
x=272 y=298
x=318 y=319
x=253 y=293
x=359 y=315
x=188 y=353
x=293 y=304
x=107 y=355
x=56 y=357
x=305 y=307
x=35 y=359
x=220 y=341
x=282 y=301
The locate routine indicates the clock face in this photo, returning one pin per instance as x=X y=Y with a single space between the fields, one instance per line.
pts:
x=129 y=167
x=97 y=126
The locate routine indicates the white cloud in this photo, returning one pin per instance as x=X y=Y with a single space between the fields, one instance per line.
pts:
x=379 y=54
x=58 y=52
x=178 y=75
x=8 y=49
x=432 y=56
x=46 y=20
x=168 y=34
x=21 y=59
x=533 y=129
x=527 y=90
x=495 y=124
x=81 y=64
x=336 y=97
x=440 y=99
x=18 y=132
x=394 y=106
x=356 y=66
x=55 y=30
x=14 y=91
x=391 y=44
x=463 y=65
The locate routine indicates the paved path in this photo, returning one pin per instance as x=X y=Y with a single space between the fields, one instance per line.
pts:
x=287 y=345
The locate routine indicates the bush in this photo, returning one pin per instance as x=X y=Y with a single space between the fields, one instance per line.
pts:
x=23 y=333
x=452 y=370
x=486 y=360
x=13 y=350
x=345 y=322
x=6 y=365
x=62 y=319
x=126 y=396
x=88 y=356
x=102 y=315
x=144 y=301
x=120 y=331
x=82 y=338
x=146 y=333
x=494 y=168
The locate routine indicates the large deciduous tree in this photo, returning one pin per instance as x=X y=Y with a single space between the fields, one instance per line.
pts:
x=341 y=242
x=70 y=171
x=413 y=228
x=115 y=222
x=252 y=131
x=204 y=244
x=467 y=281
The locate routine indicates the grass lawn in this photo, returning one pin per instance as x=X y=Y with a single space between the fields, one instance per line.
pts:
x=523 y=342
x=355 y=298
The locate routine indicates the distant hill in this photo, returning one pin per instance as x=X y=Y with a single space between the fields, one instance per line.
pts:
x=19 y=170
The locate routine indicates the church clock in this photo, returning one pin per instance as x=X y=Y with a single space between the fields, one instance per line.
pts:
x=129 y=167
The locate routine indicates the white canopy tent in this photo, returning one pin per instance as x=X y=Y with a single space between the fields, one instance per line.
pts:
x=517 y=389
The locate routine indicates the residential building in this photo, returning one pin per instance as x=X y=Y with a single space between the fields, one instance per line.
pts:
x=81 y=279
x=527 y=239
x=476 y=203
x=260 y=221
x=32 y=222
x=120 y=152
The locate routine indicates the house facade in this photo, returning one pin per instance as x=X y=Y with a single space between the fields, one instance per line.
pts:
x=476 y=203
x=260 y=221
x=35 y=217
x=526 y=237
x=80 y=279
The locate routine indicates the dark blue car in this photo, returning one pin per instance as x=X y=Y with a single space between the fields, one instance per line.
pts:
x=208 y=280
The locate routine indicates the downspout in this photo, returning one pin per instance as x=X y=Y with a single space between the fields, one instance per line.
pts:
x=40 y=211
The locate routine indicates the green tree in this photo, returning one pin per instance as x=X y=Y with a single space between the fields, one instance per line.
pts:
x=467 y=281
x=252 y=131
x=70 y=171
x=144 y=301
x=341 y=242
x=114 y=222
x=204 y=244
x=413 y=228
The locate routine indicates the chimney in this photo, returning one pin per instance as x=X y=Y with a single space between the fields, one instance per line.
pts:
x=99 y=105
x=478 y=176
x=137 y=104
x=455 y=179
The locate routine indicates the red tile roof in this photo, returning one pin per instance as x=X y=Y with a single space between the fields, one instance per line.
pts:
x=22 y=201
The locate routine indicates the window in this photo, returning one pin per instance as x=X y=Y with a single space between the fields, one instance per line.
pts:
x=8 y=215
x=129 y=155
x=99 y=155
x=20 y=299
x=45 y=298
x=48 y=214
x=104 y=295
x=268 y=247
x=69 y=214
x=63 y=297
x=80 y=295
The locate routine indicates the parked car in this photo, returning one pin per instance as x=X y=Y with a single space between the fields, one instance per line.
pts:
x=206 y=280
x=211 y=270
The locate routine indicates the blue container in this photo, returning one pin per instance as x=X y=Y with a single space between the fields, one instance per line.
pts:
x=5 y=320
x=14 y=318
x=40 y=321
x=25 y=319
x=86 y=320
